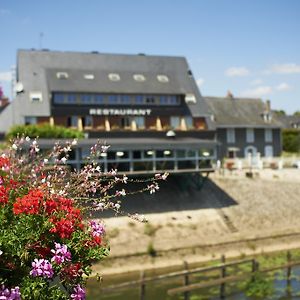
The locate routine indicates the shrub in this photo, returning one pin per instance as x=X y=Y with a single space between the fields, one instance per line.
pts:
x=151 y=250
x=44 y=131
x=46 y=246
x=291 y=140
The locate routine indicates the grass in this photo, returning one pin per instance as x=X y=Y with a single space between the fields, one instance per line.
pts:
x=150 y=229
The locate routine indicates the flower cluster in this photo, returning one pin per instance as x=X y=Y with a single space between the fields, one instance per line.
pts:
x=10 y=294
x=45 y=214
x=61 y=253
x=41 y=268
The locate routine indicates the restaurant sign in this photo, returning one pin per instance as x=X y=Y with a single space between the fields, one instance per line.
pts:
x=119 y=112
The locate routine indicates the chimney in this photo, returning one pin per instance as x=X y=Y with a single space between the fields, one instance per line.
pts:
x=268 y=106
x=229 y=94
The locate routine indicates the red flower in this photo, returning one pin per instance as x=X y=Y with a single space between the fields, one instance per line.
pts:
x=71 y=272
x=4 y=163
x=3 y=194
x=63 y=227
x=29 y=204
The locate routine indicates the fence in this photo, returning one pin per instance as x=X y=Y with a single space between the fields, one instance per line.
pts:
x=221 y=281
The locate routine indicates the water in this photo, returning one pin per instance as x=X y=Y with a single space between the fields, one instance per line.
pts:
x=234 y=291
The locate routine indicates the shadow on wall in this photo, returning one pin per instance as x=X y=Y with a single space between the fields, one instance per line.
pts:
x=177 y=193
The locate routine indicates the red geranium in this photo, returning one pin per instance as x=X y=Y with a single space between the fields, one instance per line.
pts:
x=29 y=204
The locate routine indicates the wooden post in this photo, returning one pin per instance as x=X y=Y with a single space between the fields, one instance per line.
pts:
x=223 y=274
x=288 y=273
x=186 y=295
x=143 y=286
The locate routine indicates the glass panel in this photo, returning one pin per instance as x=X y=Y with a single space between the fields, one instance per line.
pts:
x=88 y=121
x=113 y=99
x=191 y=153
x=99 y=99
x=86 y=99
x=165 y=165
x=71 y=98
x=59 y=98
x=163 y=100
x=180 y=153
x=137 y=154
x=189 y=122
x=140 y=122
x=139 y=99
x=175 y=122
x=125 y=99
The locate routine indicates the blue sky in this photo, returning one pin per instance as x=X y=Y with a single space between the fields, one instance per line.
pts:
x=251 y=48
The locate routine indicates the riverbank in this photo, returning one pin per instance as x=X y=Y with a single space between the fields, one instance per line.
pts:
x=231 y=215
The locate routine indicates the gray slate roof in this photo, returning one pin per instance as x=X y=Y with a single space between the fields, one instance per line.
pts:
x=239 y=112
x=288 y=121
x=41 y=67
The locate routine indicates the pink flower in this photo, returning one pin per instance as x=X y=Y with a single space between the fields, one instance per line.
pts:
x=78 y=293
x=41 y=268
x=61 y=253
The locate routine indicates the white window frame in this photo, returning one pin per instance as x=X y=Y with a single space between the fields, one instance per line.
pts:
x=250 y=138
x=162 y=78
x=268 y=135
x=267 y=147
x=230 y=135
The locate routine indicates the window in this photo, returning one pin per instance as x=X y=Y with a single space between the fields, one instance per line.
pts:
x=268 y=135
x=230 y=132
x=125 y=122
x=190 y=98
x=162 y=78
x=114 y=77
x=30 y=120
x=163 y=100
x=73 y=121
x=269 y=151
x=71 y=98
x=139 y=99
x=139 y=77
x=150 y=99
x=189 y=122
x=250 y=135
x=89 y=76
x=140 y=122
x=125 y=99
x=174 y=100
x=99 y=99
x=175 y=122
x=62 y=75
x=59 y=98
x=113 y=99
x=87 y=121
x=35 y=96
x=86 y=98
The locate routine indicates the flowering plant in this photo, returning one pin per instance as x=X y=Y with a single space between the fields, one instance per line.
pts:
x=48 y=239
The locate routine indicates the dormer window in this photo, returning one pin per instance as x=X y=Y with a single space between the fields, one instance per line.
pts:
x=139 y=77
x=89 y=76
x=267 y=117
x=114 y=77
x=163 y=78
x=62 y=75
x=190 y=98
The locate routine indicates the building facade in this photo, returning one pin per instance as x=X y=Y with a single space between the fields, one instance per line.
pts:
x=245 y=126
x=148 y=108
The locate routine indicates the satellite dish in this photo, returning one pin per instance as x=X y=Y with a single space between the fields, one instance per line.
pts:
x=19 y=87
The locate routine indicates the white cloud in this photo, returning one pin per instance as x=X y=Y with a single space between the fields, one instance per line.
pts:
x=200 y=82
x=5 y=76
x=290 y=68
x=283 y=87
x=237 y=72
x=258 y=92
x=256 y=82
